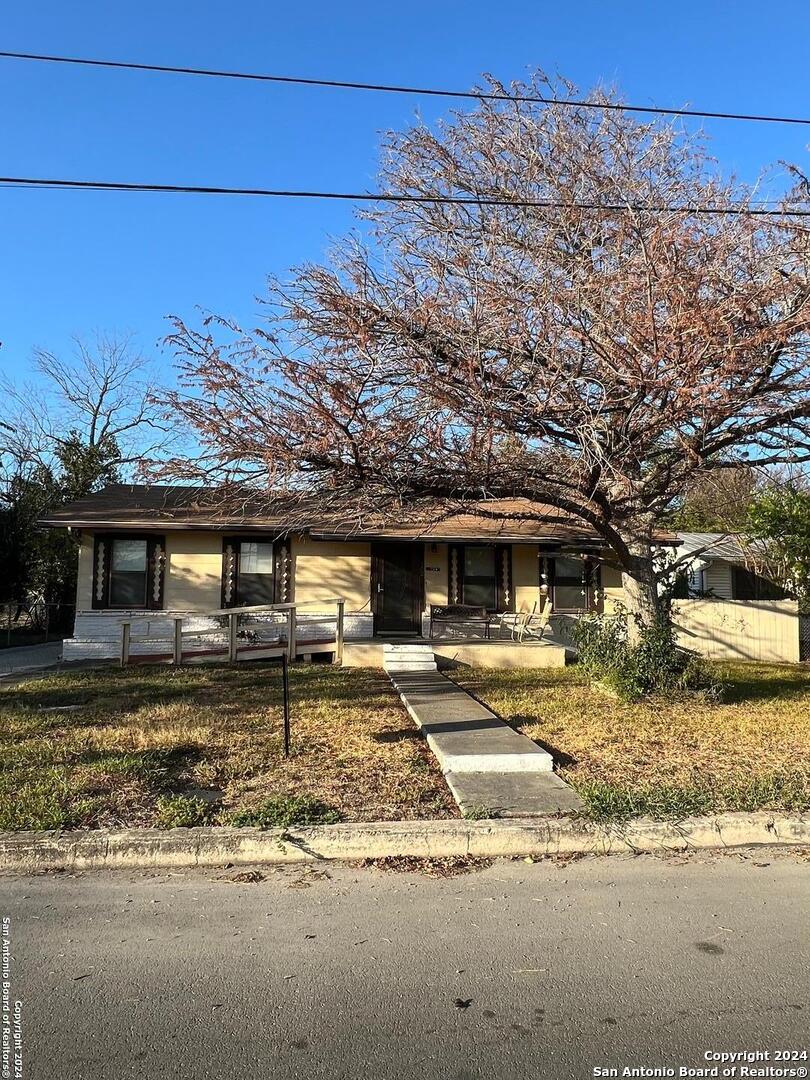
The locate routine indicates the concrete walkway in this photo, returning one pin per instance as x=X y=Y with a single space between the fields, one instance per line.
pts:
x=485 y=762
x=30 y=658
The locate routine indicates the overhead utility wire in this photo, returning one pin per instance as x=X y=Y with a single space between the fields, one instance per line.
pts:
x=384 y=88
x=370 y=196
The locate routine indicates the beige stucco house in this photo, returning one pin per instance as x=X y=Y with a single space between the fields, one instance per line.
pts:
x=150 y=555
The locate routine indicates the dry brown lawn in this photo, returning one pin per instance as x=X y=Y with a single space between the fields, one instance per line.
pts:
x=750 y=751
x=107 y=747
x=164 y=746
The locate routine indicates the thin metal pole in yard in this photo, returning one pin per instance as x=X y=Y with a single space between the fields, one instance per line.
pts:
x=47 y=620
x=8 y=635
x=339 y=632
x=291 y=632
x=232 y=639
x=285 y=689
x=125 y=632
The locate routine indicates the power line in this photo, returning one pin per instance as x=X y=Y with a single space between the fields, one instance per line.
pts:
x=370 y=196
x=385 y=88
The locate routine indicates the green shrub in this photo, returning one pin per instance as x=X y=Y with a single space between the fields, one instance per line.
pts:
x=285 y=810
x=180 y=812
x=653 y=663
x=601 y=642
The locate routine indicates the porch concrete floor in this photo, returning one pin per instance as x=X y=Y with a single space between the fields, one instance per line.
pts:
x=486 y=763
x=465 y=652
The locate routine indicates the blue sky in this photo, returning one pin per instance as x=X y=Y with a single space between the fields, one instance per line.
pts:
x=71 y=263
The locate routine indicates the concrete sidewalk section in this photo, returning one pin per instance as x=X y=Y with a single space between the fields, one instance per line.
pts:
x=486 y=763
x=23 y=658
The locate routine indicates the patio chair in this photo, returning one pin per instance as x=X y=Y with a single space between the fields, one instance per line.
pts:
x=531 y=624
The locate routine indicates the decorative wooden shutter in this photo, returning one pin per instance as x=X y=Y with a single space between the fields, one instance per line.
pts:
x=282 y=572
x=230 y=563
x=101 y=571
x=594 y=585
x=155 y=572
x=504 y=591
x=546 y=573
x=455 y=574
x=552 y=581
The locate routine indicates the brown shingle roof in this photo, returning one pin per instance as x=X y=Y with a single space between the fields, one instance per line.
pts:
x=134 y=506
x=158 y=506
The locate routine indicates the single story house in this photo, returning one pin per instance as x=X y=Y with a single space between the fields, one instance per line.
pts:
x=720 y=567
x=152 y=555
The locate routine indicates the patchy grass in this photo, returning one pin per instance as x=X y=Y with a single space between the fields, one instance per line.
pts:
x=164 y=746
x=666 y=759
x=180 y=812
x=285 y=810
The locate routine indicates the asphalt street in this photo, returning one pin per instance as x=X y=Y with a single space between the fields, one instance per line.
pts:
x=515 y=970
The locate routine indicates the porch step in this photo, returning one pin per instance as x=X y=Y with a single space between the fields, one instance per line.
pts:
x=410 y=656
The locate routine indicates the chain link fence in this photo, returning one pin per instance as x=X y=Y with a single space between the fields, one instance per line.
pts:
x=35 y=622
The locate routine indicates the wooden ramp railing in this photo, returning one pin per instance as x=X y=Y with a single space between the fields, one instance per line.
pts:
x=244 y=635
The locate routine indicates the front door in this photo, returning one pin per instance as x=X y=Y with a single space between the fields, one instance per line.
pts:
x=397 y=575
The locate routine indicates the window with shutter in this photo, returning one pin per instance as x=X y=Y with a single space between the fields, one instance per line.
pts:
x=128 y=571
x=253 y=572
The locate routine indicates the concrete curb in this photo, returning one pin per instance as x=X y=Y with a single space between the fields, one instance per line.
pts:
x=156 y=849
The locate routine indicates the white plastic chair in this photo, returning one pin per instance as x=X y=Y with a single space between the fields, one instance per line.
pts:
x=531 y=624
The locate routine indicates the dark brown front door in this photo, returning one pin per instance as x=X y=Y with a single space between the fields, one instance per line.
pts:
x=397 y=574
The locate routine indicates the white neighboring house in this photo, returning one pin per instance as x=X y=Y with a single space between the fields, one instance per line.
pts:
x=721 y=568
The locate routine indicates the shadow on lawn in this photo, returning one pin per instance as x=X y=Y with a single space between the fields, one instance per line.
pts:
x=402 y=735
x=782 y=684
x=519 y=721
x=161 y=767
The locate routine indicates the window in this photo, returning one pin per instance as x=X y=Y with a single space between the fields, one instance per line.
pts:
x=570 y=593
x=479 y=577
x=248 y=576
x=747 y=585
x=128 y=571
x=255 y=579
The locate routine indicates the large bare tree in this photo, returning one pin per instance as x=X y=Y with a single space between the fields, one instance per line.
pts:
x=596 y=354
x=88 y=420
x=104 y=391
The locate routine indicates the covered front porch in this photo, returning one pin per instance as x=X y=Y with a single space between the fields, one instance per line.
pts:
x=477 y=590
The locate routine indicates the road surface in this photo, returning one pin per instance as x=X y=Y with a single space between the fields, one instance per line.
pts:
x=512 y=971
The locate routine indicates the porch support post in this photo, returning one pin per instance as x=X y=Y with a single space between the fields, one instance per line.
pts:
x=178 y=641
x=125 y=635
x=339 y=632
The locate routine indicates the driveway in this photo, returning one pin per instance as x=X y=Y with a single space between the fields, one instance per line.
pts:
x=30 y=658
x=514 y=971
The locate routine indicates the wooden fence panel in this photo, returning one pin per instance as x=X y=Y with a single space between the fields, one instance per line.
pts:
x=764 y=630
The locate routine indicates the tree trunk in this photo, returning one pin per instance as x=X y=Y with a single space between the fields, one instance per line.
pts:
x=639 y=581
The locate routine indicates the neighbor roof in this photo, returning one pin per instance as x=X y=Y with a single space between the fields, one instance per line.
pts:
x=712 y=546
x=136 y=506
